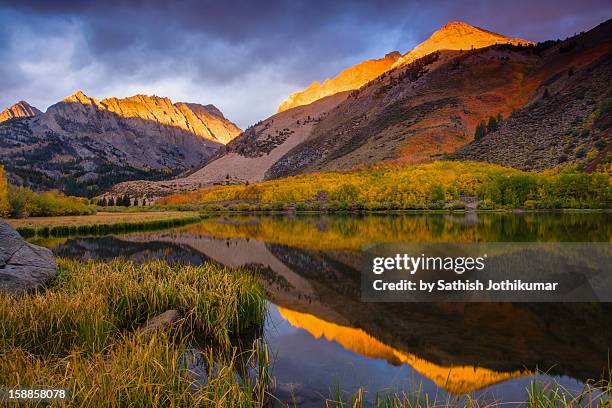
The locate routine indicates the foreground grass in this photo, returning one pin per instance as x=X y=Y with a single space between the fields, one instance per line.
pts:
x=80 y=334
x=595 y=394
x=101 y=223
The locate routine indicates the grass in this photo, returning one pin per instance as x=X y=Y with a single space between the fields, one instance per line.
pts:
x=101 y=223
x=80 y=334
x=595 y=394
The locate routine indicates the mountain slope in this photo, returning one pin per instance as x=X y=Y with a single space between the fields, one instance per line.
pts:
x=568 y=119
x=82 y=145
x=350 y=78
x=21 y=109
x=452 y=36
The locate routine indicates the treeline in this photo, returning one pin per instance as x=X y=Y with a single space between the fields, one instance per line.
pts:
x=23 y=202
x=438 y=185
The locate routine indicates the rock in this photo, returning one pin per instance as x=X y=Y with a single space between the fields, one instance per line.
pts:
x=165 y=321
x=23 y=266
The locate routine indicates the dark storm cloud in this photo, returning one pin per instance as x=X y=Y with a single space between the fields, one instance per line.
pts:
x=244 y=56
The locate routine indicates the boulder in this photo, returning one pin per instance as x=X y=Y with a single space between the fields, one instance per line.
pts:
x=165 y=321
x=23 y=266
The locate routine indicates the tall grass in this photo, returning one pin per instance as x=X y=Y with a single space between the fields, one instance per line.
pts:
x=102 y=229
x=81 y=334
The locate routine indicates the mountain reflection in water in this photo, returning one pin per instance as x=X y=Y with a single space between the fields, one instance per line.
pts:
x=310 y=270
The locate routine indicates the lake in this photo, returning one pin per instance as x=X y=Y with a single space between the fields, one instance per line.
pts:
x=323 y=338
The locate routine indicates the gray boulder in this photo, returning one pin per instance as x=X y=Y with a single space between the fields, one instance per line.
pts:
x=23 y=266
x=170 y=319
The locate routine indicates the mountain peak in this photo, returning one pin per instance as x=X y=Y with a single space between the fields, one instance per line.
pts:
x=457 y=35
x=79 y=97
x=21 y=109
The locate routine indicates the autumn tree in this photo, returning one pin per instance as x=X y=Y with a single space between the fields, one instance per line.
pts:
x=5 y=207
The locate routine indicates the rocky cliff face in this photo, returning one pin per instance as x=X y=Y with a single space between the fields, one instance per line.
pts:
x=453 y=36
x=21 y=109
x=82 y=145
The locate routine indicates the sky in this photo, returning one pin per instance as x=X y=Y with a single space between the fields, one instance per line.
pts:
x=243 y=56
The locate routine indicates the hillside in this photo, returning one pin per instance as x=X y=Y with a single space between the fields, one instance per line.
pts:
x=569 y=118
x=82 y=145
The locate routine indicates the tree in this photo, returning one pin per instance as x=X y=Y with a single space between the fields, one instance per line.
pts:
x=5 y=206
x=492 y=125
x=102 y=202
x=481 y=131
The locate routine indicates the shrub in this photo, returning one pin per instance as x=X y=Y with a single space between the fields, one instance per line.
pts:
x=278 y=206
x=5 y=206
x=302 y=207
x=486 y=204
x=457 y=206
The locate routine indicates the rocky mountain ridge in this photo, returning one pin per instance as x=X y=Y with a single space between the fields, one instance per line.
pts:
x=21 y=109
x=82 y=145
x=452 y=36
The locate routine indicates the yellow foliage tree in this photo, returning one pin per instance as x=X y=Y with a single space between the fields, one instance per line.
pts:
x=5 y=206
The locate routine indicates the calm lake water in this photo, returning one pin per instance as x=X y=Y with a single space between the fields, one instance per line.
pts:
x=323 y=338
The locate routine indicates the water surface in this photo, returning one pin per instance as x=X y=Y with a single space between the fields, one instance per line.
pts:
x=323 y=337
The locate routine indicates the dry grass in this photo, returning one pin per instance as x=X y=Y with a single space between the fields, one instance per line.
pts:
x=99 y=218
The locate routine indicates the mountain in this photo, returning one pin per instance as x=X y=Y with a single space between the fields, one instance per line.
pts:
x=456 y=36
x=21 y=109
x=552 y=98
x=452 y=36
x=82 y=145
x=351 y=78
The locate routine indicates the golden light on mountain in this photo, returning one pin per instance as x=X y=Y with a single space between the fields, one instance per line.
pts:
x=457 y=380
x=452 y=36
x=457 y=36
x=351 y=78
x=21 y=109
x=205 y=121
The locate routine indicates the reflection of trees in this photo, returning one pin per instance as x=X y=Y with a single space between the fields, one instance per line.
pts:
x=353 y=232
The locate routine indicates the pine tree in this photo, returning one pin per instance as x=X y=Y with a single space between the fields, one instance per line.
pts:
x=492 y=125
x=481 y=130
